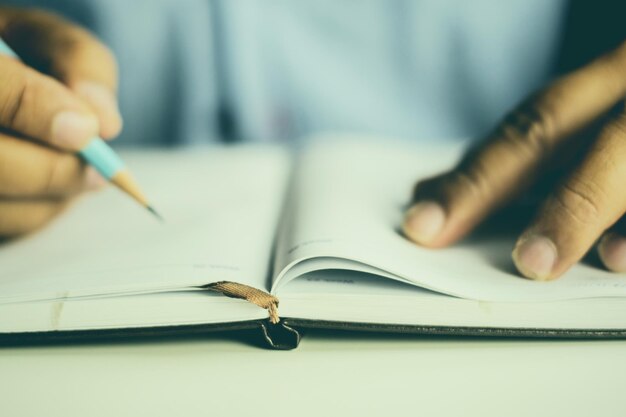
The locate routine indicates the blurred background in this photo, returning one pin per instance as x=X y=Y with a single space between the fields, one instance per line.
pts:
x=196 y=71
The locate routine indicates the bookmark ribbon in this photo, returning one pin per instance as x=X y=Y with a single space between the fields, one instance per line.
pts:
x=245 y=292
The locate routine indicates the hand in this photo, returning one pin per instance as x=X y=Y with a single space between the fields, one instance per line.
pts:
x=588 y=203
x=50 y=106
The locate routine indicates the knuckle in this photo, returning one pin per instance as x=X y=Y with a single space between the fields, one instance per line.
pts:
x=82 y=44
x=527 y=130
x=86 y=46
x=581 y=201
x=87 y=58
x=17 y=86
x=62 y=172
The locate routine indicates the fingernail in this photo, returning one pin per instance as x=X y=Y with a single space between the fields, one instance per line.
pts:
x=424 y=221
x=73 y=130
x=104 y=100
x=93 y=179
x=535 y=257
x=612 y=251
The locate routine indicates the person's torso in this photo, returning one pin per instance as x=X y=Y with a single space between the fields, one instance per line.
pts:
x=197 y=70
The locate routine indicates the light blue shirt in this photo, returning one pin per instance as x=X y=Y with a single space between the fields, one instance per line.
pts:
x=275 y=70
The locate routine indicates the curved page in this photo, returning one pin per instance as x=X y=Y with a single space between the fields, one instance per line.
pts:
x=345 y=209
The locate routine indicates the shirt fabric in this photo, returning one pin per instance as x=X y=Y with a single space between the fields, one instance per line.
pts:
x=274 y=70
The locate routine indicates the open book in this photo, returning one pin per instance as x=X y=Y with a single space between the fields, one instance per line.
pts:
x=308 y=239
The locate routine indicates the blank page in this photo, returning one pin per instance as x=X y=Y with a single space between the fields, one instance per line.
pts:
x=348 y=204
x=220 y=205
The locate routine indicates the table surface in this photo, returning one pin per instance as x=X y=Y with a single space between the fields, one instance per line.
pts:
x=331 y=373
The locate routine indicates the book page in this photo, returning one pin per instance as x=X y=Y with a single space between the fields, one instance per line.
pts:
x=345 y=210
x=220 y=205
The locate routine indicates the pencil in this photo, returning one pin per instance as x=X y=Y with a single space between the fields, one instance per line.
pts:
x=100 y=156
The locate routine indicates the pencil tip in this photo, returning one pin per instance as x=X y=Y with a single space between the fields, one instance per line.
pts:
x=156 y=213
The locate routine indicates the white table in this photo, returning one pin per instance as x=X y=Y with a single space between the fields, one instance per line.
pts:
x=331 y=374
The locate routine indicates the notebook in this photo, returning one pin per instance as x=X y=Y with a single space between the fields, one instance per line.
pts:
x=283 y=240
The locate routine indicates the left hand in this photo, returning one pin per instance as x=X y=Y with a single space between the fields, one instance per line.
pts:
x=590 y=202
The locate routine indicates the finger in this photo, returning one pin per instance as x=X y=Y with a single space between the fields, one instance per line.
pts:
x=589 y=202
x=70 y=54
x=39 y=107
x=29 y=170
x=18 y=217
x=449 y=206
x=612 y=247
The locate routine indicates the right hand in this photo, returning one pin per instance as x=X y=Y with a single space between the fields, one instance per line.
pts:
x=51 y=105
x=567 y=144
